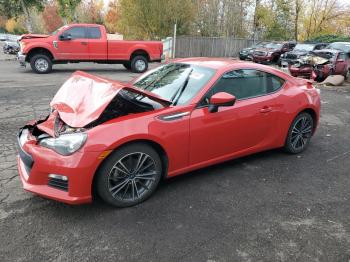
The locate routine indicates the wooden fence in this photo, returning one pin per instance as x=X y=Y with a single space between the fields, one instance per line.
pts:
x=189 y=46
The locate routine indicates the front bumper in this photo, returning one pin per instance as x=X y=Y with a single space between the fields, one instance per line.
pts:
x=35 y=163
x=262 y=59
x=302 y=71
x=21 y=58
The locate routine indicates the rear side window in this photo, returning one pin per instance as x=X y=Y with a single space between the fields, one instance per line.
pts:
x=76 y=32
x=94 y=32
x=246 y=83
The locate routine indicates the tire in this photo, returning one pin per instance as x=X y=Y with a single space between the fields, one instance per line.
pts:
x=139 y=64
x=118 y=184
x=41 y=64
x=127 y=65
x=299 y=134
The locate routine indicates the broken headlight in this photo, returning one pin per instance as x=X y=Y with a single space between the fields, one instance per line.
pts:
x=65 y=144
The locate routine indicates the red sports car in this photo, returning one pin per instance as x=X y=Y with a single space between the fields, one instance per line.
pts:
x=119 y=140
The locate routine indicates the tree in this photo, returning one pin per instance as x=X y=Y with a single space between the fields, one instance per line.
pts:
x=67 y=9
x=15 y=8
x=90 y=12
x=52 y=19
x=112 y=16
x=154 y=19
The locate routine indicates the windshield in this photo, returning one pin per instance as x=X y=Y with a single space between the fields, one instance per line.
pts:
x=345 y=47
x=273 y=46
x=59 y=29
x=175 y=82
x=304 y=47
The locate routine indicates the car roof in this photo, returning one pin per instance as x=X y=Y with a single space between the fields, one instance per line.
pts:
x=211 y=62
x=328 y=50
x=223 y=64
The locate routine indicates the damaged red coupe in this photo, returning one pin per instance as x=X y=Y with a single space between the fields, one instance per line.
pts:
x=119 y=140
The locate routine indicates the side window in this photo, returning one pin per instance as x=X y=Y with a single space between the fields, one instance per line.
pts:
x=76 y=32
x=245 y=83
x=94 y=33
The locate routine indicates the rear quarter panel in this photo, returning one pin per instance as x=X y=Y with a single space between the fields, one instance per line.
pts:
x=295 y=98
x=122 y=50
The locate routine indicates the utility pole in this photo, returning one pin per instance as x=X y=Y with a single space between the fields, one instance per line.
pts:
x=174 y=40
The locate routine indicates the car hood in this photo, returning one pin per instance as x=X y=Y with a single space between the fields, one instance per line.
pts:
x=30 y=36
x=267 y=49
x=83 y=98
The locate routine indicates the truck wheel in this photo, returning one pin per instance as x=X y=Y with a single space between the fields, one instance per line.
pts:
x=139 y=64
x=41 y=64
x=127 y=65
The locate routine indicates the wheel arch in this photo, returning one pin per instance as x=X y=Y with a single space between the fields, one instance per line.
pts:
x=156 y=146
x=39 y=50
x=141 y=52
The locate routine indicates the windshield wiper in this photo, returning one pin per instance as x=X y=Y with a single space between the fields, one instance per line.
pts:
x=181 y=89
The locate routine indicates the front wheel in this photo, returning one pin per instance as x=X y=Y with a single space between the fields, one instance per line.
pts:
x=41 y=64
x=129 y=176
x=299 y=134
x=139 y=64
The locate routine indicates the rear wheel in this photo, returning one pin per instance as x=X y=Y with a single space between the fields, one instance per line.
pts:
x=299 y=134
x=139 y=64
x=129 y=176
x=41 y=64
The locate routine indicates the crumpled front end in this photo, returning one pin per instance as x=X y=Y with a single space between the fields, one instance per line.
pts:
x=311 y=66
x=53 y=161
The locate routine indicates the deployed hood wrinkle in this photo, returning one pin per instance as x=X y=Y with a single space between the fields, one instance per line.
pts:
x=85 y=100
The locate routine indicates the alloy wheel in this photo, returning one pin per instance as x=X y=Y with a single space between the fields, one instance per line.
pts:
x=140 y=65
x=41 y=64
x=301 y=133
x=132 y=176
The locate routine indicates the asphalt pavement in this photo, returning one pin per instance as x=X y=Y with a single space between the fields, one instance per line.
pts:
x=266 y=207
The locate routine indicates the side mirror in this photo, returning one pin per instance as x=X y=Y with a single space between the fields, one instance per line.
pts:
x=65 y=37
x=221 y=99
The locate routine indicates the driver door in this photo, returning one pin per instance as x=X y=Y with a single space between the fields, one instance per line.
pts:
x=249 y=123
x=75 y=48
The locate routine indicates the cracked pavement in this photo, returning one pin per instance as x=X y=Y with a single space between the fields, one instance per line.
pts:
x=267 y=207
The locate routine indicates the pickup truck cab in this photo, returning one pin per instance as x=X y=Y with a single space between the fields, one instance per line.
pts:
x=76 y=43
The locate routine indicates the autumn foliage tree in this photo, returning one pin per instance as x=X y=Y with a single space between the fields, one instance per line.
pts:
x=112 y=16
x=51 y=17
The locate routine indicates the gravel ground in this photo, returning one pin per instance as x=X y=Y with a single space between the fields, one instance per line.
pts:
x=267 y=207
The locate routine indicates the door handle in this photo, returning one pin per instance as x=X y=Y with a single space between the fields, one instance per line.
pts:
x=265 y=109
x=83 y=43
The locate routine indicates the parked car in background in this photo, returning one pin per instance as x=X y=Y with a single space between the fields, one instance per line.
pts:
x=3 y=37
x=342 y=46
x=271 y=52
x=11 y=48
x=298 y=51
x=321 y=64
x=119 y=140
x=86 y=43
x=247 y=53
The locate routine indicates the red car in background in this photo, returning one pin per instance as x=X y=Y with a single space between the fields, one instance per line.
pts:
x=120 y=140
x=86 y=43
x=321 y=64
x=272 y=52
